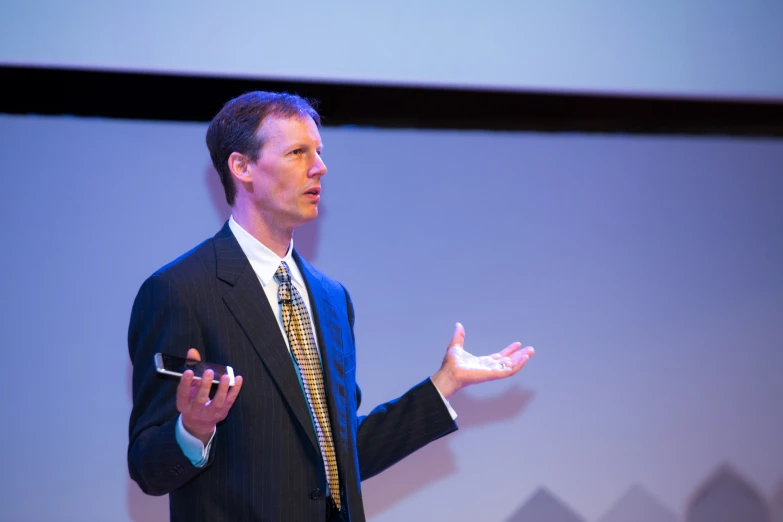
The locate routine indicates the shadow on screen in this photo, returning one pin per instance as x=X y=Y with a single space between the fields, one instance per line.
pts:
x=727 y=496
x=143 y=507
x=437 y=460
x=724 y=496
x=146 y=508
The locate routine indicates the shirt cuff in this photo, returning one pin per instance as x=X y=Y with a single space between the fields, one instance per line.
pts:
x=451 y=410
x=191 y=446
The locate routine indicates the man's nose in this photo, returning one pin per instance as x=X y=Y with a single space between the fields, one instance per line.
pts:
x=319 y=167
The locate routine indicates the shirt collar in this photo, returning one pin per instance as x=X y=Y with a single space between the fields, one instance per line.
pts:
x=262 y=259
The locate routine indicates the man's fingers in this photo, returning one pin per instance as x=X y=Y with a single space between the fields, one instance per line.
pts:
x=193 y=354
x=511 y=348
x=202 y=395
x=459 y=336
x=220 y=395
x=506 y=366
x=183 y=390
x=233 y=391
x=505 y=363
x=521 y=357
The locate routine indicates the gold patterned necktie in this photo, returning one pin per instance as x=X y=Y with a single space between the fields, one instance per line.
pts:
x=300 y=336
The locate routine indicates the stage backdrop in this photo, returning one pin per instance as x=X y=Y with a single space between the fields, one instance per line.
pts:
x=646 y=271
x=715 y=48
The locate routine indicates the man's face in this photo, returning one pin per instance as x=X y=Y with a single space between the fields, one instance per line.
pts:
x=286 y=178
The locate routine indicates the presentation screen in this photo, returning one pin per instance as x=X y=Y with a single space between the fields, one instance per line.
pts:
x=646 y=272
x=705 y=49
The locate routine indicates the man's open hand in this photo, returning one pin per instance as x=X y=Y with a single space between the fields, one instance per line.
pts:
x=460 y=368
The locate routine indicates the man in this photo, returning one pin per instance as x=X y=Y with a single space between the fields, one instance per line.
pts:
x=285 y=442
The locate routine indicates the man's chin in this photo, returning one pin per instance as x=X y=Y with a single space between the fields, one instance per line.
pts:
x=307 y=217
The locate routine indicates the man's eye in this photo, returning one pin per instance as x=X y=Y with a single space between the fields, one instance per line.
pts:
x=297 y=152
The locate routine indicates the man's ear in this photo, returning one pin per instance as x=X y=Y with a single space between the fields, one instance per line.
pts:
x=239 y=165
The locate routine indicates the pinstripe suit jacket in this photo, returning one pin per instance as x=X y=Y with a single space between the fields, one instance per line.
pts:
x=264 y=463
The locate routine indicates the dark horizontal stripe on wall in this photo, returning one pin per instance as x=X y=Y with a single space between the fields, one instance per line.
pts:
x=197 y=98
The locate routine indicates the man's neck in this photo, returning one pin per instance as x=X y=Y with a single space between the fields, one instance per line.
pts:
x=275 y=239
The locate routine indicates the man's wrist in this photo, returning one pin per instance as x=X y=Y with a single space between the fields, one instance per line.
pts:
x=193 y=448
x=204 y=437
x=445 y=383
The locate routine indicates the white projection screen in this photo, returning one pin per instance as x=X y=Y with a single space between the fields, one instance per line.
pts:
x=645 y=270
x=723 y=49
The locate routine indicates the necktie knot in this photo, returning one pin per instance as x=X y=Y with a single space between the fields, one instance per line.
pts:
x=283 y=274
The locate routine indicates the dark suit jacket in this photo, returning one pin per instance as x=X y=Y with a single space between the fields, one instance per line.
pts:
x=264 y=463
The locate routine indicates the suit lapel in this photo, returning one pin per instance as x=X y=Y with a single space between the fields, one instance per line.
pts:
x=330 y=341
x=250 y=306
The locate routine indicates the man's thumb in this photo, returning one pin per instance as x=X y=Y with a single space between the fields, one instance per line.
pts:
x=459 y=336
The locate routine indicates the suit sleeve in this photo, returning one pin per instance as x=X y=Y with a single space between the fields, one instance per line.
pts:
x=394 y=430
x=161 y=321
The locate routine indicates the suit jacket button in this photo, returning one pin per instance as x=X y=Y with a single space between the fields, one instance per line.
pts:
x=315 y=494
